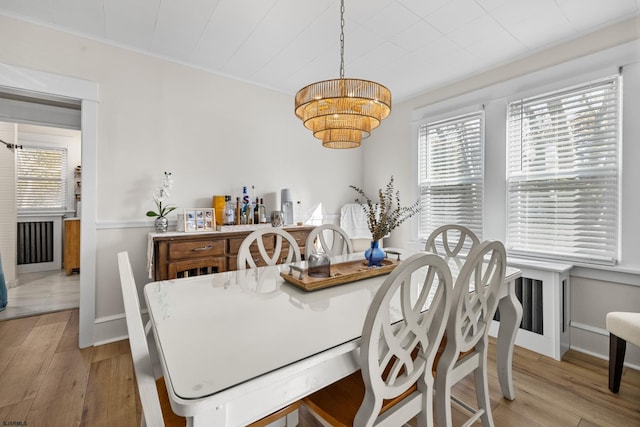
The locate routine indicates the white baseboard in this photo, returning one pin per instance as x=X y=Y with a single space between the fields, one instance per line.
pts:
x=602 y=356
x=110 y=329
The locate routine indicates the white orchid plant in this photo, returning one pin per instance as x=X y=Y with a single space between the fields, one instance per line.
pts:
x=161 y=197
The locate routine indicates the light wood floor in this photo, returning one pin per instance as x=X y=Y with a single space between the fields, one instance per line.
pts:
x=46 y=381
x=42 y=292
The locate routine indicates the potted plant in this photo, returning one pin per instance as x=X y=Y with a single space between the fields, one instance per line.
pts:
x=383 y=217
x=161 y=222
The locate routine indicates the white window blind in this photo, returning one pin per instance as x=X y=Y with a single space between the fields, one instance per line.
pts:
x=451 y=170
x=41 y=178
x=563 y=162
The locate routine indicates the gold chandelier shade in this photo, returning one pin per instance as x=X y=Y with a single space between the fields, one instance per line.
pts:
x=341 y=138
x=341 y=112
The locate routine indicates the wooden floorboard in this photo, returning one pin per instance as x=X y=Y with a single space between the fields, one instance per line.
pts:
x=46 y=381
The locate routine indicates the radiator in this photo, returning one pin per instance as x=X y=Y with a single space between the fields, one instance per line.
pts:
x=39 y=243
x=35 y=242
x=529 y=293
x=543 y=290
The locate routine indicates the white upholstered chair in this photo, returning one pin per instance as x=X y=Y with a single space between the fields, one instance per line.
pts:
x=623 y=327
x=475 y=300
x=261 y=239
x=395 y=382
x=156 y=407
x=330 y=239
x=451 y=240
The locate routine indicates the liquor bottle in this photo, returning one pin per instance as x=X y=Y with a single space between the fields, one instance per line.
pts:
x=262 y=212
x=245 y=205
x=245 y=195
x=256 y=212
x=229 y=211
x=249 y=213
x=238 y=211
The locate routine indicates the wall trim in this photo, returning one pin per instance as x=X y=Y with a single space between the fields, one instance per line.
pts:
x=598 y=331
x=603 y=357
x=110 y=329
x=589 y=328
x=136 y=223
x=628 y=277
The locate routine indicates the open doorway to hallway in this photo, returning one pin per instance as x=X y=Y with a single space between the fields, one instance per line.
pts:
x=83 y=94
x=42 y=275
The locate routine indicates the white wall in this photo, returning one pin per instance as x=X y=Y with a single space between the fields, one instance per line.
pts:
x=214 y=134
x=595 y=291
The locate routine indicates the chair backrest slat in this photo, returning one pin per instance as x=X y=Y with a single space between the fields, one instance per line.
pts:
x=330 y=239
x=245 y=257
x=476 y=294
x=451 y=240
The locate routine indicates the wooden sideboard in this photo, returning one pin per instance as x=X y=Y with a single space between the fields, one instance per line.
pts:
x=193 y=254
x=71 y=245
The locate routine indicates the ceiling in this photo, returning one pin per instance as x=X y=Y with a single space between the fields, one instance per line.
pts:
x=410 y=46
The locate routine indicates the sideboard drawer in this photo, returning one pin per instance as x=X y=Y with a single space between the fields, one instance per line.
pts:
x=196 y=248
x=234 y=244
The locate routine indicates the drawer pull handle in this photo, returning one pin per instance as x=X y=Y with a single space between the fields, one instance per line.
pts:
x=204 y=248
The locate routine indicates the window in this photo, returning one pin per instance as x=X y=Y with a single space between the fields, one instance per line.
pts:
x=41 y=182
x=563 y=178
x=451 y=170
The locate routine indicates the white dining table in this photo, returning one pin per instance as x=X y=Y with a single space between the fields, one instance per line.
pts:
x=239 y=345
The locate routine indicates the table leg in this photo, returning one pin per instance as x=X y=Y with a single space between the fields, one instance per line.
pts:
x=510 y=317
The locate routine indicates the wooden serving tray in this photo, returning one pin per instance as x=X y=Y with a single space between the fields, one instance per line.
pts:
x=340 y=273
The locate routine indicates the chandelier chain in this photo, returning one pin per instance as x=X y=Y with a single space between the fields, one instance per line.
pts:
x=342 y=39
x=341 y=112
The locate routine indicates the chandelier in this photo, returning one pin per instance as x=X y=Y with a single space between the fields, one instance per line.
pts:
x=341 y=112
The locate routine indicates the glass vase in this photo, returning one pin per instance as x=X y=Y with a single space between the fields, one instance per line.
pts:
x=374 y=255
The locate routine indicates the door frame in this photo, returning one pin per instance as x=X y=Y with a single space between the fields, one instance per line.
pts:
x=44 y=83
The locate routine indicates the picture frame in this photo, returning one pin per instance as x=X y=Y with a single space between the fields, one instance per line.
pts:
x=199 y=219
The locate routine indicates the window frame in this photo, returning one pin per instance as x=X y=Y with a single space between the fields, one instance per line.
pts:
x=62 y=179
x=425 y=225
x=549 y=176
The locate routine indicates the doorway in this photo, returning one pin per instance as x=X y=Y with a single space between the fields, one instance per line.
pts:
x=48 y=199
x=41 y=85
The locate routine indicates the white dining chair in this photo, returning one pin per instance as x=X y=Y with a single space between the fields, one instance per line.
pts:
x=156 y=407
x=451 y=240
x=260 y=239
x=623 y=327
x=402 y=330
x=330 y=239
x=475 y=300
